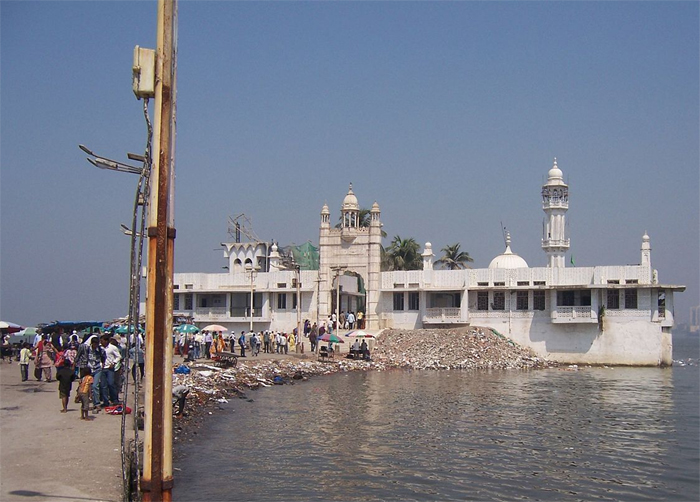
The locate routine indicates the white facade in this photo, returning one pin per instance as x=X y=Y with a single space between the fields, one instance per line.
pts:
x=576 y=315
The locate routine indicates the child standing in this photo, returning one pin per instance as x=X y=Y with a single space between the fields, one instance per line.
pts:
x=24 y=356
x=84 y=393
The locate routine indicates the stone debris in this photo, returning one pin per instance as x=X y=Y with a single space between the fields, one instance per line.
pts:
x=469 y=348
x=462 y=348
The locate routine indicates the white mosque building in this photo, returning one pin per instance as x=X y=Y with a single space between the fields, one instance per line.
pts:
x=578 y=315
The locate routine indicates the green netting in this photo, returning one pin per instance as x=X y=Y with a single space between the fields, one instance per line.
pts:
x=306 y=255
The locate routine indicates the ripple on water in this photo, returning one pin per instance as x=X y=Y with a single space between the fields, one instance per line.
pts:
x=600 y=433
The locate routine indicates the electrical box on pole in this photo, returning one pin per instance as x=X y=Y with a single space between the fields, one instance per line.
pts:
x=144 y=72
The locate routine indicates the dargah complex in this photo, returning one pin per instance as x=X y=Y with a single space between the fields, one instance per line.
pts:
x=612 y=314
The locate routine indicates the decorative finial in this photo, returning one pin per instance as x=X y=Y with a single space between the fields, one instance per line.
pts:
x=507 y=238
x=350 y=189
x=555 y=162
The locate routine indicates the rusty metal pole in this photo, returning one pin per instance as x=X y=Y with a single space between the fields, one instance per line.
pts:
x=157 y=479
x=299 y=339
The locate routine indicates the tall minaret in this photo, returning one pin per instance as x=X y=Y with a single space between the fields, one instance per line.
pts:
x=646 y=250
x=555 y=203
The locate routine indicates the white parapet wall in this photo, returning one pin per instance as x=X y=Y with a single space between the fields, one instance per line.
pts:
x=632 y=341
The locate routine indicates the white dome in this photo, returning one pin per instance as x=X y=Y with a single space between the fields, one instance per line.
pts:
x=555 y=173
x=508 y=259
x=350 y=201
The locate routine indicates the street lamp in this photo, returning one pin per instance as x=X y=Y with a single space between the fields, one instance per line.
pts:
x=253 y=271
x=112 y=165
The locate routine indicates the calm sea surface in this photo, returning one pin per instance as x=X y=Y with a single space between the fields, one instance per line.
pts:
x=592 y=434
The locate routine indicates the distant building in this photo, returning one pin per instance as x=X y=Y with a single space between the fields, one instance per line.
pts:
x=582 y=315
x=694 y=319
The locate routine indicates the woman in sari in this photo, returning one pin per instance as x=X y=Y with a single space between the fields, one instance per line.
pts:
x=45 y=355
x=214 y=349
x=220 y=343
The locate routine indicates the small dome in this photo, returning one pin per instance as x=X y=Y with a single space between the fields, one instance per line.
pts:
x=325 y=209
x=375 y=207
x=555 y=173
x=350 y=201
x=508 y=259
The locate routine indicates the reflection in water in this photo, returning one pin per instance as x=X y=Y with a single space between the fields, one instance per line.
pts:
x=598 y=433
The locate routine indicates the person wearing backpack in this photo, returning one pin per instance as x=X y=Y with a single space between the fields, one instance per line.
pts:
x=81 y=359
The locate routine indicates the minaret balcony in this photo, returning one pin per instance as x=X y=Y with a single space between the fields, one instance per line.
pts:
x=555 y=204
x=556 y=243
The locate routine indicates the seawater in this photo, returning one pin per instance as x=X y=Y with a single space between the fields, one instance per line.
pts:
x=592 y=434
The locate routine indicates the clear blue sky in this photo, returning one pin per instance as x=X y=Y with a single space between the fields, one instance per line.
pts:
x=447 y=114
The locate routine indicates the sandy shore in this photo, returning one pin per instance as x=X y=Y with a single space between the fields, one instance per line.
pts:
x=49 y=455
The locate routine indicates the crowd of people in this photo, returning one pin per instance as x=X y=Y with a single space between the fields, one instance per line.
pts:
x=207 y=344
x=96 y=362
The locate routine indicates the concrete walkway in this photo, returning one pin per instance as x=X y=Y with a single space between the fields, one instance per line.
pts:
x=49 y=455
x=46 y=455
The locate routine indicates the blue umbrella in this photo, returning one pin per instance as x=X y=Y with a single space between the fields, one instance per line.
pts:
x=187 y=328
x=124 y=329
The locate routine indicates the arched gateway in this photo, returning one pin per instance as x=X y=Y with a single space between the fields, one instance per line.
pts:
x=350 y=254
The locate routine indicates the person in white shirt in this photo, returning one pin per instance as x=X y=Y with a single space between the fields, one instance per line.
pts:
x=351 y=320
x=113 y=361
x=355 y=349
x=198 y=340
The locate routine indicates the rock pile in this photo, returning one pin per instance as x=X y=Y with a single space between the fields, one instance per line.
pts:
x=463 y=348
x=211 y=386
x=211 y=383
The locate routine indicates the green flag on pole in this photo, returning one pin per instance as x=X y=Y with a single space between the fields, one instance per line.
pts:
x=572 y=261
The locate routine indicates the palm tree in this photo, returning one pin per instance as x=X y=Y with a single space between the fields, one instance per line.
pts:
x=454 y=259
x=403 y=254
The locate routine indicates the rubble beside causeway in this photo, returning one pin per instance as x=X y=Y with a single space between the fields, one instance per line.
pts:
x=463 y=348
x=469 y=348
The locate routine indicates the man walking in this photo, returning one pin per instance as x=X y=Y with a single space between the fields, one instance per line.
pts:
x=96 y=358
x=241 y=343
x=113 y=359
x=208 y=339
x=351 y=320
